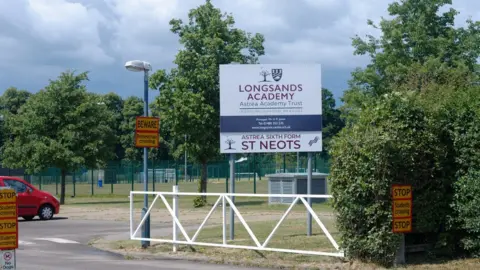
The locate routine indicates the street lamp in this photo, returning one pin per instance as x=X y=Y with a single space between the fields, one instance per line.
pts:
x=139 y=66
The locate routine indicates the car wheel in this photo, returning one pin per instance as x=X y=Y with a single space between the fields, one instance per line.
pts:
x=45 y=212
x=28 y=218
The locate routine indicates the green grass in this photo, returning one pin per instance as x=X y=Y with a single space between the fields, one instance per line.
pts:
x=291 y=234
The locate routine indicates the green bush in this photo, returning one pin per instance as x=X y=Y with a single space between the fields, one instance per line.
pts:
x=467 y=209
x=394 y=141
x=460 y=120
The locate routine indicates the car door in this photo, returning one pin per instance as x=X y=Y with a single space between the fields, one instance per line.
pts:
x=27 y=205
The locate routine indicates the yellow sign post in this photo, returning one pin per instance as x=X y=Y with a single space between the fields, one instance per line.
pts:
x=402 y=206
x=147 y=132
x=8 y=228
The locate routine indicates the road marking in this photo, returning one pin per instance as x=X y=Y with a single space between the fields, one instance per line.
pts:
x=26 y=243
x=58 y=240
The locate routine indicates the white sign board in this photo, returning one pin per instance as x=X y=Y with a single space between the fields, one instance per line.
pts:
x=270 y=108
x=7 y=259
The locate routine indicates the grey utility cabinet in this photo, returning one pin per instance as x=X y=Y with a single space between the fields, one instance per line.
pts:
x=295 y=183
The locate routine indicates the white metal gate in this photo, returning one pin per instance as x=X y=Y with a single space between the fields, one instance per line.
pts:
x=223 y=199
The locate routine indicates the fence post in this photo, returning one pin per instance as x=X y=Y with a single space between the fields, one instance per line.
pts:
x=56 y=182
x=226 y=185
x=153 y=171
x=74 y=190
x=260 y=171
x=40 y=180
x=176 y=173
x=224 y=220
x=92 y=183
x=111 y=184
x=254 y=174
x=175 y=211
x=131 y=176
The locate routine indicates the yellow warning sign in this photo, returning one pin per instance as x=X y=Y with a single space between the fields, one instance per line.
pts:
x=147 y=124
x=401 y=192
x=402 y=225
x=8 y=226
x=147 y=140
x=8 y=241
x=8 y=210
x=402 y=208
x=8 y=196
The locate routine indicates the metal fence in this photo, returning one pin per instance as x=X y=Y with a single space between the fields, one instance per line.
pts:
x=226 y=200
x=121 y=177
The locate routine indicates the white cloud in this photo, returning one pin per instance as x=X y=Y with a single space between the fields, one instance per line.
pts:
x=42 y=36
x=140 y=27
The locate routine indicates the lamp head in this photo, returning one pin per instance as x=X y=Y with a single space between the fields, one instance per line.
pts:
x=138 y=66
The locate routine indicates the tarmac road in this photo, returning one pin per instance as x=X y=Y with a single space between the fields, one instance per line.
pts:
x=62 y=244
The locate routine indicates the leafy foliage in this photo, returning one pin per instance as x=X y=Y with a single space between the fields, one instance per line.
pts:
x=61 y=126
x=392 y=142
x=419 y=45
x=12 y=99
x=412 y=117
x=10 y=102
x=132 y=107
x=466 y=205
x=189 y=93
x=115 y=104
x=332 y=121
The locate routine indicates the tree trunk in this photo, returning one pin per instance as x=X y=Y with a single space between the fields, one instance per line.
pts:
x=201 y=201
x=203 y=180
x=62 y=187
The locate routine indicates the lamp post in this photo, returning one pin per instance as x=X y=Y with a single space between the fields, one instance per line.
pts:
x=139 y=66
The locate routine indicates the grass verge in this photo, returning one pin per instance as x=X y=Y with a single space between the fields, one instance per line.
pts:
x=289 y=235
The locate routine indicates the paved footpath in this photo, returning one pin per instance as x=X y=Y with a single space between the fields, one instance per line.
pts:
x=62 y=244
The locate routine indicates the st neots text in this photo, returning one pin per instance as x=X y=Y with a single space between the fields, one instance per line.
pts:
x=271 y=142
x=270 y=91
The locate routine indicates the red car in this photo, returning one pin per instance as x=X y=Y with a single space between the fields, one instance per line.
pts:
x=32 y=201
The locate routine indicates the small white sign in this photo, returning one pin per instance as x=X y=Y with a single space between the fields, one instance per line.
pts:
x=7 y=259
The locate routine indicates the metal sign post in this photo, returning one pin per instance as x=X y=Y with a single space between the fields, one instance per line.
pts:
x=8 y=228
x=146 y=136
x=232 y=190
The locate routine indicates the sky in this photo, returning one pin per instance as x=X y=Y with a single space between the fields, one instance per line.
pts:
x=41 y=38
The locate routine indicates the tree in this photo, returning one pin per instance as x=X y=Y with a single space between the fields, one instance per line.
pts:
x=115 y=104
x=10 y=103
x=189 y=98
x=230 y=142
x=419 y=47
x=412 y=118
x=132 y=107
x=332 y=121
x=62 y=126
x=12 y=99
x=264 y=73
